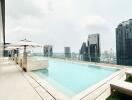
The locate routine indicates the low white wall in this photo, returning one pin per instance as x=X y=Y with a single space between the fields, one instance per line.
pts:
x=36 y=64
x=32 y=64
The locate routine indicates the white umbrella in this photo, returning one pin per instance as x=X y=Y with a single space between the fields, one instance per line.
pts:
x=12 y=48
x=25 y=43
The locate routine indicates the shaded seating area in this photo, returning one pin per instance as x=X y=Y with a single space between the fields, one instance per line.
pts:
x=22 y=58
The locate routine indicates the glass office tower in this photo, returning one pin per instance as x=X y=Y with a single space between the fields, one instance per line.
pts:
x=91 y=50
x=94 y=47
x=124 y=43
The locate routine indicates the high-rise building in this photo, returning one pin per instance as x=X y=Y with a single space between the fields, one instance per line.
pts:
x=91 y=50
x=94 y=47
x=124 y=43
x=67 y=52
x=48 y=50
x=2 y=26
x=84 y=52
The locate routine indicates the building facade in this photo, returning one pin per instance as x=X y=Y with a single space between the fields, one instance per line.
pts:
x=48 y=50
x=84 y=52
x=2 y=26
x=124 y=43
x=67 y=52
x=91 y=50
x=94 y=47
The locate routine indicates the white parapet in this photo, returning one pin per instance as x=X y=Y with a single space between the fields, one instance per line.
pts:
x=36 y=64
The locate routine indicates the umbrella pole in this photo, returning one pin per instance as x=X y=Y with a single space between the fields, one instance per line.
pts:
x=25 y=59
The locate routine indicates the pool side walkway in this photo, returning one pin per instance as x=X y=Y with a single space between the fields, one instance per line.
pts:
x=15 y=86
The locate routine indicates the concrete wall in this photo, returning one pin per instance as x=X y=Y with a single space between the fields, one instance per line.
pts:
x=2 y=24
x=32 y=64
x=36 y=65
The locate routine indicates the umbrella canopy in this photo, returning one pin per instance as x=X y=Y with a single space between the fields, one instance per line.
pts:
x=26 y=43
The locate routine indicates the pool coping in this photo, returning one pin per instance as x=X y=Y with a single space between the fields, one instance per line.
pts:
x=47 y=86
x=96 y=86
x=91 y=63
x=60 y=96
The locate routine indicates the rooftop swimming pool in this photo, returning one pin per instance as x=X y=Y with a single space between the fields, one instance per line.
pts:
x=73 y=78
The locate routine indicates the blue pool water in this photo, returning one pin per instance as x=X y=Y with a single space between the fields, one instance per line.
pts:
x=71 y=78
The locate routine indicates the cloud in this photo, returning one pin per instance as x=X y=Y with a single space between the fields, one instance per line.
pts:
x=92 y=20
x=65 y=22
x=21 y=8
x=94 y=24
x=97 y=24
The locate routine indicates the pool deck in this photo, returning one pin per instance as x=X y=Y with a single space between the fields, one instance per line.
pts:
x=16 y=85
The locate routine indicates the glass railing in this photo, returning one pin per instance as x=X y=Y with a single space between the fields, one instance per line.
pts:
x=107 y=59
x=79 y=57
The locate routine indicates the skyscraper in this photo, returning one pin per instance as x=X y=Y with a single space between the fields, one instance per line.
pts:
x=124 y=43
x=2 y=26
x=94 y=47
x=67 y=52
x=91 y=50
x=84 y=52
x=48 y=50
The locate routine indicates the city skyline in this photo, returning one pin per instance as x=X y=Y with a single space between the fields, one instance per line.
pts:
x=65 y=23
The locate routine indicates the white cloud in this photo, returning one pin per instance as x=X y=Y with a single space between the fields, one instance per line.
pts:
x=92 y=20
x=65 y=22
x=94 y=24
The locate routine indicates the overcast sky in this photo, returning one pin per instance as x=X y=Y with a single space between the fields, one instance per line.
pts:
x=65 y=22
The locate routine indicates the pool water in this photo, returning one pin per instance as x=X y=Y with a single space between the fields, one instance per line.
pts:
x=71 y=78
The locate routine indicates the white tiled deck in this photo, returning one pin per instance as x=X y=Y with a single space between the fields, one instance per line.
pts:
x=14 y=85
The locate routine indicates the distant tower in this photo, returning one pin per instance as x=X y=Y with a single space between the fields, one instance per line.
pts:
x=67 y=52
x=48 y=50
x=91 y=51
x=94 y=47
x=84 y=52
x=124 y=43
